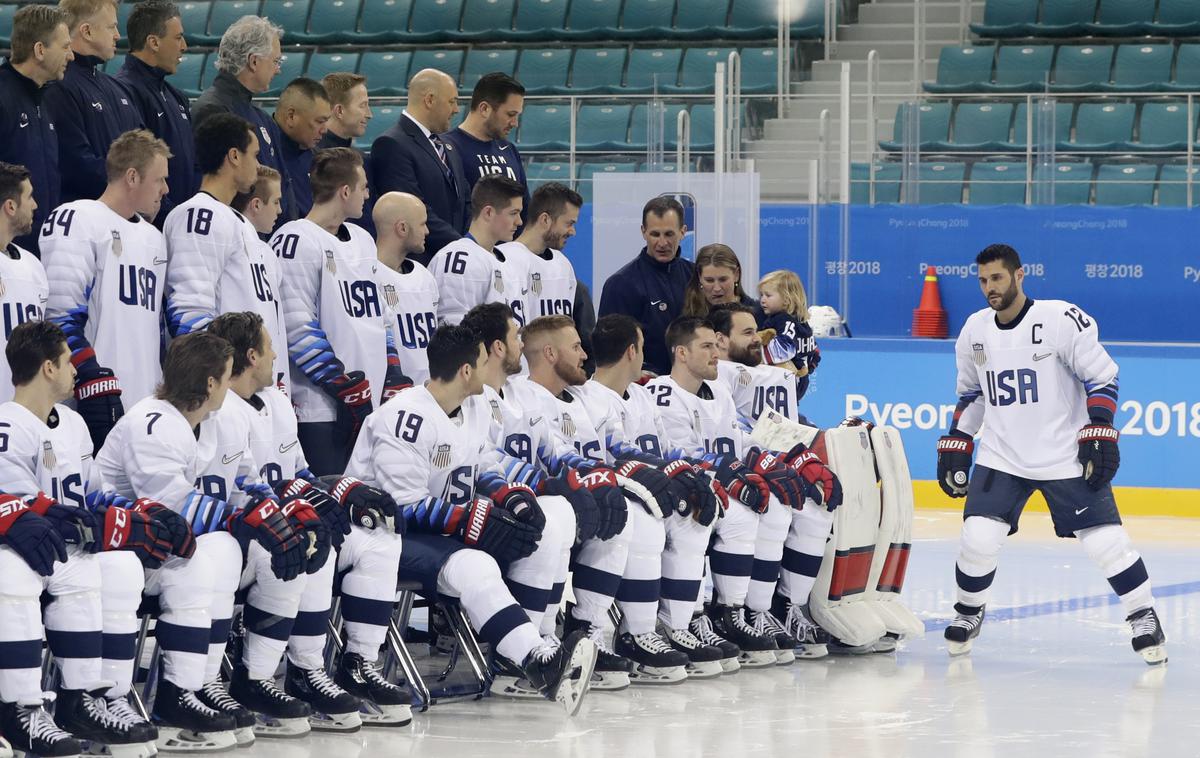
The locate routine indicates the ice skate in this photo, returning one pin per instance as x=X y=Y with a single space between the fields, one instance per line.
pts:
x=333 y=709
x=886 y=644
x=613 y=670
x=1149 y=641
x=758 y=649
x=276 y=713
x=121 y=708
x=5 y=749
x=34 y=733
x=963 y=630
x=381 y=702
x=704 y=661
x=509 y=680
x=811 y=640
x=765 y=623
x=187 y=725
x=702 y=628
x=215 y=696
x=654 y=660
x=563 y=673
x=86 y=718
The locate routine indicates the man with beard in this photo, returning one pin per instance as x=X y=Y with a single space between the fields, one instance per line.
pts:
x=26 y=290
x=1044 y=425
x=410 y=292
x=482 y=138
x=793 y=539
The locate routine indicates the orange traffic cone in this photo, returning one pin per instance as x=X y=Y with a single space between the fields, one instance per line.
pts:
x=929 y=319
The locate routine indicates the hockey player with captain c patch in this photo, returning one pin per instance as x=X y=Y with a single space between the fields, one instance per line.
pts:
x=1040 y=391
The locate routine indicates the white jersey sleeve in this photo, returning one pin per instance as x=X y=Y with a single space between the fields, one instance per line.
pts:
x=466 y=276
x=968 y=413
x=24 y=292
x=203 y=236
x=52 y=457
x=274 y=443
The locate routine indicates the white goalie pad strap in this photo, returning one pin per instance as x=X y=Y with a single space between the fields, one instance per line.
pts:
x=774 y=431
x=895 y=534
x=840 y=602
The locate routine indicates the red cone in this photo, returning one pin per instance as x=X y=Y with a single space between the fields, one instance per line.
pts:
x=929 y=319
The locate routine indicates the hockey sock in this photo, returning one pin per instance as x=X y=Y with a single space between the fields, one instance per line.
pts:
x=1109 y=548
x=474 y=578
x=731 y=558
x=773 y=527
x=682 y=569
x=642 y=578
x=597 y=575
x=306 y=646
x=978 y=555
x=803 y=552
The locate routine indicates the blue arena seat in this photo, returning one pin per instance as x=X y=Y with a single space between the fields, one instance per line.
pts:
x=1071 y=182
x=292 y=15
x=749 y=19
x=383 y=21
x=187 y=76
x=997 y=183
x=699 y=66
x=759 y=75
x=589 y=171
x=602 y=127
x=1102 y=127
x=647 y=64
x=483 y=61
x=386 y=71
x=1062 y=125
x=434 y=20
x=320 y=64
x=1007 y=18
x=979 y=126
x=887 y=182
x=1126 y=184
x=1122 y=18
x=1082 y=68
x=1164 y=126
x=702 y=19
x=332 y=22
x=704 y=127
x=383 y=118
x=1021 y=68
x=597 y=70
x=933 y=126
x=592 y=19
x=194 y=17
x=963 y=69
x=544 y=71
x=545 y=127
x=539 y=173
x=1187 y=70
x=1065 y=18
x=940 y=182
x=1173 y=182
x=1176 y=18
x=1141 y=68
x=7 y=11
x=449 y=61
x=639 y=132
x=539 y=19
x=294 y=63
x=483 y=19
x=647 y=19
x=222 y=16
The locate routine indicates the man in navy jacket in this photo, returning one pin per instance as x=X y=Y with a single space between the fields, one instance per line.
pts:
x=90 y=108
x=41 y=48
x=156 y=43
x=650 y=287
x=302 y=116
x=411 y=157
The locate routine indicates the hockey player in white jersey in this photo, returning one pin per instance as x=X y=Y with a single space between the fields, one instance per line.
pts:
x=625 y=411
x=47 y=460
x=419 y=450
x=23 y=286
x=788 y=539
x=360 y=521
x=337 y=324
x=168 y=449
x=107 y=266
x=261 y=206
x=553 y=212
x=473 y=270
x=409 y=290
x=1040 y=391
x=700 y=416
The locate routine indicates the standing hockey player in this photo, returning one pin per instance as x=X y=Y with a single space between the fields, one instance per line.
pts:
x=551 y=283
x=419 y=449
x=1034 y=377
x=107 y=265
x=409 y=290
x=472 y=270
x=25 y=291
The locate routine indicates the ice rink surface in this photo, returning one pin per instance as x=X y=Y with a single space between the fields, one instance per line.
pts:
x=1051 y=675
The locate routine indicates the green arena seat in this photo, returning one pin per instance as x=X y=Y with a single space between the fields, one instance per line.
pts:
x=294 y=63
x=701 y=19
x=940 y=182
x=1021 y=68
x=1062 y=124
x=602 y=127
x=589 y=171
x=704 y=127
x=1122 y=18
x=222 y=16
x=997 y=183
x=963 y=69
x=592 y=19
x=538 y=19
x=7 y=11
x=1007 y=18
x=448 y=61
x=699 y=66
x=1176 y=18
x=482 y=61
x=1187 y=70
x=639 y=132
x=1126 y=184
x=1071 y=182
x=485 y=19
x=1082 y=68
x=434 y=20
x=1164 y=126
x=320 y=64
x=386 y=71
x=544 y=71
x=383 y=118
x=1173 y=183
x=979 y=126
x=1141 y=68
x=759 y=74
x=597 y=70
x=194 y=17
x=1102 y=127
x=651 y=66
x=1065 y=18
x=187 y=76
x=647 y=19
x=332 y=22
x=292 y=15
x=383 y=21
x=545 y=127
x=933 y=125
x=539 y=173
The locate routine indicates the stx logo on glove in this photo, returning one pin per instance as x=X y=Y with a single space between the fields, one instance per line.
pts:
x=120 y=520
x=12 y=507
x=599 y=479
x=474 y=529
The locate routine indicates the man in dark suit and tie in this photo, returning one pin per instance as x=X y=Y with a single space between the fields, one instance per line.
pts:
x=411 y=157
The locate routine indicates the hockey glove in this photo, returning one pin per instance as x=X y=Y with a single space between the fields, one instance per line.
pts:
x=814 y=359
x=394 y=381
x=98 y=400
x=183 y=542
x=706 y=499
x=265 y=523
x=315 y=535
x=30 y=536
x=822 y=485
x=497 y=532
x=601 y=481
x=587 y=512
x=353 y=393
x=784 y=483
x=687 y=483
x=517 y=499
x=138 y=533
x=954 y=463
x=370 y=507
x=333 y=514
x=77 y=526
x=740 y=482
x=1099 y=454
x=650 y=487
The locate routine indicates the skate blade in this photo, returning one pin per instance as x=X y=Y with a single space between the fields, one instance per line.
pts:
x=344 y=723
x=283 y=729
x=374 y=715
x=1155 y=655
x=511 y=686
x=785 y=657
x=577 y=678
x=811 y=652
x=757 y=659
x=610 y=681
x=244 y=736
x=658 y=676
x=956 y=649
x=730 y=665
x=133 y=750
x=884 y=645
x=173 y=740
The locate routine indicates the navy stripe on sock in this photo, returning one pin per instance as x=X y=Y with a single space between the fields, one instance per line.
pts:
x=594 y=580
x=264 y=624
x=530 y=598
x=23 y=654
x=182 y=639
x=685 y=590
x=638 y=591
x=218 y=633
x=311 y=623
x=1130 y=579
x=119 y=647
x=361 y=610
x=556 y=593
x=968 y=583
x=502 y=622
x=728 y=564
x=765 y=571
x=803 y=564
x=74 y=644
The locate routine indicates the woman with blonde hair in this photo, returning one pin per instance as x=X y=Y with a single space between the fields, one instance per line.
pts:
x=716 y=279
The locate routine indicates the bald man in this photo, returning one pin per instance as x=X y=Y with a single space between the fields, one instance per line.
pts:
x=411 y=157
x=410 y=292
